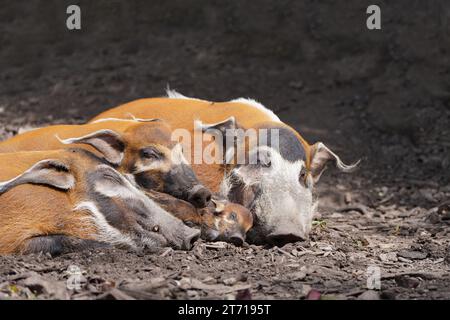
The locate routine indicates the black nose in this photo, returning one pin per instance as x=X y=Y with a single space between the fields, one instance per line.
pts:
x=282 y=239
x=199 y=196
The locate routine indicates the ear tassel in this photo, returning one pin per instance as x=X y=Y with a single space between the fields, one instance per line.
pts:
x=339 y=164
x=321 y=155
x=347 y=167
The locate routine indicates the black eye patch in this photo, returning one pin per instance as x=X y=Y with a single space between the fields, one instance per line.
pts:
x=289 y=146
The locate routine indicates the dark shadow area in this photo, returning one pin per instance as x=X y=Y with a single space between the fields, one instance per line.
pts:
x=381 y=95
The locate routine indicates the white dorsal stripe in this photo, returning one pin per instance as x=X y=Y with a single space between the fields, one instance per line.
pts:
x=132 y=119
x=114 y=119
x=172 y=94
x=255 y=104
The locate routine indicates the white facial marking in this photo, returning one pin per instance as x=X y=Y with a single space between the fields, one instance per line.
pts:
x=113 y=190
x=154 y=165
x=106 y=232
x=284 y=204
x=216 y=223
x=131 y=179
x=128 y=191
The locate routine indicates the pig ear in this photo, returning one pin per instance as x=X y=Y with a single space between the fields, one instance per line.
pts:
x=321 y=155
x=108 y=142
x=222 y=126
x=48 y=172
x=225 y=128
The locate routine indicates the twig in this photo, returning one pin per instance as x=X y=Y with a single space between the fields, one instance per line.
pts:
x=166 y=252
x=285 y=252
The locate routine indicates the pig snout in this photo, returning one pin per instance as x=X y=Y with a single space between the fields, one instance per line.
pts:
x=188 y=242
x=237 y=239
x=199 y=196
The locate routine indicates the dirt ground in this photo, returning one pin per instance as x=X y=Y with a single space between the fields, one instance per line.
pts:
x=382 y=96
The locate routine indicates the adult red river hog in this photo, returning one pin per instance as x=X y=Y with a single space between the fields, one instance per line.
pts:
x=64 y=200
x=277 y=187
x=143 y=149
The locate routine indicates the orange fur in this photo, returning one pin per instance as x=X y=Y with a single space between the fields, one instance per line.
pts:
x=134 y=134
x=46 y=212
x=30 y=210
x=181 y=113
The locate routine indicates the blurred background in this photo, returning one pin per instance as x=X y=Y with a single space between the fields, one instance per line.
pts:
x=381 y=95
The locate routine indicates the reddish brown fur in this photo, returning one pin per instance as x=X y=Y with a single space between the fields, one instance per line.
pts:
x=30 y=210
x=181 y=113
x=134 y=134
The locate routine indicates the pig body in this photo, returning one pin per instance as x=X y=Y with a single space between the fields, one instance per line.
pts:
x=142 y=149
x=63 y=200
x=278 y=188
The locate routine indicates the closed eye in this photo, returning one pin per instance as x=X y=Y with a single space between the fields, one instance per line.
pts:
x=151 y=153
x=111 y=176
